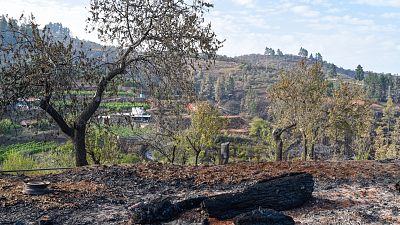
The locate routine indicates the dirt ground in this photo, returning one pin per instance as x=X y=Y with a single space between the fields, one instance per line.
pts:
x=347 y=192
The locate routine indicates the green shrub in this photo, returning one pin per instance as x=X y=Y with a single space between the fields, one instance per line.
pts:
x=7 y=126
x=62 y=156
x=127 y=131
x=15 y=160
x=129 y=159
x=42 y=124
x=102 y=145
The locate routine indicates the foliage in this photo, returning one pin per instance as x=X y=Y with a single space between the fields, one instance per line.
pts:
x=262 y=130
x=318 y=57
x=129 y=159
x=42 y=124
x=17 y=160
x=301 y=97
x=388 y=114
x=62 y=156
x=269 y=51
x=202 y=134
x=7 y=126
x=303 y=52
x=230 y=86
x=359 y=73
x=128 y=131
x=379 y=145
x=102 y=145
x=39 y=65
x=332 y=71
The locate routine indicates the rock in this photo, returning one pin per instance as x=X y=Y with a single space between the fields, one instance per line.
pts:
x=45 y=220
x=263 y=217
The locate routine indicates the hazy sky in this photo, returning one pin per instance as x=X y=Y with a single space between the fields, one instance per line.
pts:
x=346 y=32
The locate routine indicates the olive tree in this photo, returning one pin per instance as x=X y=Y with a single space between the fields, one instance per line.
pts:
x=160 y=40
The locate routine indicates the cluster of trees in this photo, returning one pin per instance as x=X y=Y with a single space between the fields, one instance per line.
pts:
x=304 y=53
x=271 y=52
x=218 y=88
x=303 y=106
x=382 y=86
x=387 y=133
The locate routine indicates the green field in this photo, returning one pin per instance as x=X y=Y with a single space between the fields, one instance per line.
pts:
x=28 y=148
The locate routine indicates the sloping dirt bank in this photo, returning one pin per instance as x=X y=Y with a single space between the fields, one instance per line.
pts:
x=350 y=192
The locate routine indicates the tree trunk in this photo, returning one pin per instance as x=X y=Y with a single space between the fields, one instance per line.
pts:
x=197 y=158
x=173 y=154
x=280 y=193
x=80 y=145
x=312 y=151
x=279 y=146
x=305 y=147
x=278 y=140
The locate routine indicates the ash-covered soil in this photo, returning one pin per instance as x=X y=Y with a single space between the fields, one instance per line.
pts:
x=347 y=192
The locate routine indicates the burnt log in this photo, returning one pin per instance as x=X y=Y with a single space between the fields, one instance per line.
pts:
x=263 y=217
x=280 y=193
x=162 y=210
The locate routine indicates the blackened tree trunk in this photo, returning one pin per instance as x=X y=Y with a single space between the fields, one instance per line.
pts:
x=279 y=142
x=280 y=193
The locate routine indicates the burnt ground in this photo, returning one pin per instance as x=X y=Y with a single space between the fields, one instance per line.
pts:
x=348 y=192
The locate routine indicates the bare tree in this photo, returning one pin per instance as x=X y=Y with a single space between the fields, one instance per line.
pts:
x=161 y=39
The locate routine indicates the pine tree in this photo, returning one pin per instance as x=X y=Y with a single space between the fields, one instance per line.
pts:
x=388 y=114
x=318 y=57
x=223 y=88
x=303 y=52
x=394 y=150
x=279 y=52
x=207 y=87
x=230 y=86
x=333 y=71
x=359 y=73
x=379 y=145
x=218 y=91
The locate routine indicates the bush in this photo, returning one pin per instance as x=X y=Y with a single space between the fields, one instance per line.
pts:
x=42 y=124
x=129 y=159
x=62 y=156
x=102 y=146
x=6 y=126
